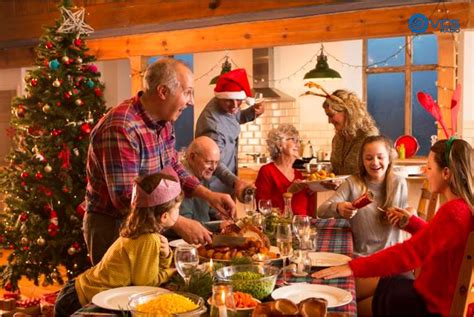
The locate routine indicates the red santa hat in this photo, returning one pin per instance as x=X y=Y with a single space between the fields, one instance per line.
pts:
x=234 y=85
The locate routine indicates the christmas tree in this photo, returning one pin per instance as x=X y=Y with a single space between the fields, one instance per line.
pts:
x=44 y=181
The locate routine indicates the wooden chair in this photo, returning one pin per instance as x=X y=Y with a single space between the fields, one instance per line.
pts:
x=427 y=203
x=464 y=294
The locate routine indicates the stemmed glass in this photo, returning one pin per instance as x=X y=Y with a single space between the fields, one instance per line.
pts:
x=284 y=241
x=265 y=208
x=302 y=229
x=186 y=259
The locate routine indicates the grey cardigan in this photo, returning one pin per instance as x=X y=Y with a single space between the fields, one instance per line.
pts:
x=370 y=230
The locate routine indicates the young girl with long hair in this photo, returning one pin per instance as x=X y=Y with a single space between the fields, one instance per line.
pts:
x=370 y=227
x=141 y=255
x=436 y=247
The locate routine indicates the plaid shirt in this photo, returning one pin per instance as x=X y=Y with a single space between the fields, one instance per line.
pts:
x=126 y=143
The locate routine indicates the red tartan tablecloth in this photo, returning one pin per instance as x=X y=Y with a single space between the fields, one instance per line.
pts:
x=334 y=235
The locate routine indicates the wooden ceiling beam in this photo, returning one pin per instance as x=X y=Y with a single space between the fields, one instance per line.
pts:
x=323 y=28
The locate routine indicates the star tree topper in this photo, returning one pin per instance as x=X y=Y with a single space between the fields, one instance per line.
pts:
x=74 y=22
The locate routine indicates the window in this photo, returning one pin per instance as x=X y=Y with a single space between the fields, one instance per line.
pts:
x=396 y=69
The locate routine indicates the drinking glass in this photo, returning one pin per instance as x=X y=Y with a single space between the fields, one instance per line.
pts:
x=284 y=239
x=250 y=206
x=265 y=206
x=222 y=301
x=186 y=259
x=302 y=229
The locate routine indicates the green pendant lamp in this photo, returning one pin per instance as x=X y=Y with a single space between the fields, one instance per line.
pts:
x=322 y=69
x=226 y=67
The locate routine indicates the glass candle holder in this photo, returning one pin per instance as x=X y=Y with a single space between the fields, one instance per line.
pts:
x=222 y=301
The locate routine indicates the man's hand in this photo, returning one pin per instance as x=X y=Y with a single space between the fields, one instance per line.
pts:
x=223 y=203
x=259 y=109
x=164 y=247
x=346 y=210
x=192 y=231
x=333 y=272
x=239 y=187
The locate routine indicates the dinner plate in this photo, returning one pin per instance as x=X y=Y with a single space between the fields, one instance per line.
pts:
x=328 y=259
x=178 y=243
x=318 y=185
x=296 y=293
x=117 y=298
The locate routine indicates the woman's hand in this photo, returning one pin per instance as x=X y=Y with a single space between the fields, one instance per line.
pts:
x=398 y=216
x=346 y=210
x=333 y=272
x=297 y=185
x=164 y=247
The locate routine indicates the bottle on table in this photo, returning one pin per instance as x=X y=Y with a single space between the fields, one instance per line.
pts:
x=287 y=210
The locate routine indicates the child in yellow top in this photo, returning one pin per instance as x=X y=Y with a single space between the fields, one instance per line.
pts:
x=140 y=256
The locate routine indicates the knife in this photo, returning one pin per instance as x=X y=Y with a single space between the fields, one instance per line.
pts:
x=220 y=240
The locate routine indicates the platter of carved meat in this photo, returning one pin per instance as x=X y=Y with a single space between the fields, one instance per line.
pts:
x=244 y=241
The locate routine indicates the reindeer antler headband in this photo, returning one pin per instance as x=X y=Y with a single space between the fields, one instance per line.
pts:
x=326 y=95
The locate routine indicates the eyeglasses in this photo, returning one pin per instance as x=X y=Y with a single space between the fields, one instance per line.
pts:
x=294 y=139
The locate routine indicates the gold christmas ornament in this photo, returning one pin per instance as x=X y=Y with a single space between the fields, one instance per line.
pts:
x=56 y=83
x=24 y=241
x=48 y=168
x=65 y=59
x=41 y=241
x=71 y=251
x=46 y=108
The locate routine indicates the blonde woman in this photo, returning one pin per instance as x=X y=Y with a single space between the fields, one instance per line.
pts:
x=353 y=124
x=279 y=176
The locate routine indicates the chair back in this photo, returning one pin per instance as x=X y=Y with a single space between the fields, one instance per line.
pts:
x=427 y=203
x=464 y=293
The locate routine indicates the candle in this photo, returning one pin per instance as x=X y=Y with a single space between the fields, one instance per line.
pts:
x=211 y=266
x=222 y=308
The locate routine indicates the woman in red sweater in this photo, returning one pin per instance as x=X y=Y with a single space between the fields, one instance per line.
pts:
x=279 y=176
x=436 y=247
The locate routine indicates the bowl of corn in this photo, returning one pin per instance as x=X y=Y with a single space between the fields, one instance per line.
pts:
x=173 y=304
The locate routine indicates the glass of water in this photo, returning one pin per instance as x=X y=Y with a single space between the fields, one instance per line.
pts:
x=186 y=259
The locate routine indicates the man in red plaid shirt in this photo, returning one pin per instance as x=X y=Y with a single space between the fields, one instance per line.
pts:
x=137 y=138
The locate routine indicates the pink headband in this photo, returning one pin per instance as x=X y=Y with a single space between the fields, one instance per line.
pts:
x=166 y=191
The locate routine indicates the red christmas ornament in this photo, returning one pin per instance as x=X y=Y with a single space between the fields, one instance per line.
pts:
x=23 y=184
x=34 y=82
x=48 y=192
x=80 y=210
x=56 y=132
x=26 y=248
x=23 y=216
x=76 y=245
x=86 y=128
x=65 y=156
x=39 y=176
x=80 y=137
x=78 y=42
x=97 y=92
x=35 y=131
x=65 y=189
x=49 y=45
x=8 y=287
x=58 y=103
x=20 y=112
x=52 y=229
x=67 y=94
x=24 y=175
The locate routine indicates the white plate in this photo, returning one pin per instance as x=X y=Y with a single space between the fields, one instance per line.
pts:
x=178 y=243
x=328 y=259
x=318 y=185
x=117 y=298
x=296 y=293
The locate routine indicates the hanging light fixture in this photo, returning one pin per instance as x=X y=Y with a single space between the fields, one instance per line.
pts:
x=226 y=67
x=322 y=69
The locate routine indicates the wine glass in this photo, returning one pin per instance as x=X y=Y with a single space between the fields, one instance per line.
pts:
x=301 y=228
x=265 y=206
x=186 y=259
x=284 y=241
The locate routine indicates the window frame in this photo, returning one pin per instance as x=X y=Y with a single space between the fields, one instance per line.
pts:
x=407 y=69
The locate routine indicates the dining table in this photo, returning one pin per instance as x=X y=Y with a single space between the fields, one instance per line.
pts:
x=333 y=236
